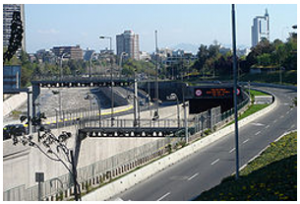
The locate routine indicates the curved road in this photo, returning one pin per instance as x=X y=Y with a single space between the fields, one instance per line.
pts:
x=206 y=168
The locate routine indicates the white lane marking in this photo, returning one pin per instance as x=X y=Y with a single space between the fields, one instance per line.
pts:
x=213 y=163
x=281 y=116
x=164 y=196
x=257 y=124
x=232 y=150
x=293 y=126
x=245 y=141
x=258 y=133
x=275 y=121
x=196 y=174
x=267 y=126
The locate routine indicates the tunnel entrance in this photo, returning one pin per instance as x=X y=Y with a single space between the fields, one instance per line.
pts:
x=201 y=105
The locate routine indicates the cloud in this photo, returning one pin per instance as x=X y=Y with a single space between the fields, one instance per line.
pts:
x=51 y=31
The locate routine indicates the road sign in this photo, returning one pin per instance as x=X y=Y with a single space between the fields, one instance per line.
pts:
x=39 y=177
x=198 y=92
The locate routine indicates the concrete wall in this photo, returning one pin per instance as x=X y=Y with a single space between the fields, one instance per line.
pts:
x=91 y=151
x=13 y=102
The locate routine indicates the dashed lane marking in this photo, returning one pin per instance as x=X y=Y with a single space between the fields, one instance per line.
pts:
x=196 y=174
x=214 y=162
x=258 y=133
x=245 y=141
x=164 y=196
x=232 y=150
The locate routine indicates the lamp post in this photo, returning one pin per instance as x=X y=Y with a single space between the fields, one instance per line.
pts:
x=136 y=113
x=90 y=70
x=235 y=92
x=173 y=96
x=185 y=115
x=111 y=79
x=120 y=62
x=156 y=115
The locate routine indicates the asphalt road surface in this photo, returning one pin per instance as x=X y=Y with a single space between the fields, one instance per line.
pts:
x=206 y=168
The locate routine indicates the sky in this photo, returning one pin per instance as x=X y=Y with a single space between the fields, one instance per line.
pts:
x=49 y=25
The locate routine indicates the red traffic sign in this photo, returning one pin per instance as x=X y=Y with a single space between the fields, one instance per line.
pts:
x=238 y=92
x=198 y=92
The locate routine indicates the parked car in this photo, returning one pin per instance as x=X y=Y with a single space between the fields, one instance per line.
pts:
x=13 y=129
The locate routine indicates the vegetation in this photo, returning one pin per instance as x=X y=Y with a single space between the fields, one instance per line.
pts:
x=277 y=54
x=253 y=108
x=130 y=66
x=270 y=177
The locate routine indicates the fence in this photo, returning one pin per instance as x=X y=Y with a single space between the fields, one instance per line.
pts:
x=103 y=171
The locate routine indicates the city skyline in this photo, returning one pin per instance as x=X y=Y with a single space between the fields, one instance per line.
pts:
x=176 y=24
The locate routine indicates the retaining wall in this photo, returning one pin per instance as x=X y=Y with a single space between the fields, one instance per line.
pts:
x=14 y=102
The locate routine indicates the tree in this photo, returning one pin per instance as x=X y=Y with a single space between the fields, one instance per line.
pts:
x=15 y=40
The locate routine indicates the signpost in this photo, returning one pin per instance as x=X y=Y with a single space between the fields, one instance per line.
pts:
x=39 y=177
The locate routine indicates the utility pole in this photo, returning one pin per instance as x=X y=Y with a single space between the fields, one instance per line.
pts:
x=235 y=93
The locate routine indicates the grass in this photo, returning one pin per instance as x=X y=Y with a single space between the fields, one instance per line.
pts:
x=270 y=177
x=253 y=107
x=257 y=93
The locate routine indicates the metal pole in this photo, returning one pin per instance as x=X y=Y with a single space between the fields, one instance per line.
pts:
x=235 y=92
x=74 y=174
x=29 y=110
x=178 y=113
x=56 y=119
x=185 y=116
x=156 y=82
x=111 y=79
x=135 y=105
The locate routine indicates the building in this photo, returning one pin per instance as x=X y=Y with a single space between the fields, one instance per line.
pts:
x=145 y=56
x=8 y=10
x=177 y=56
x=72 y=52
x=260 y=28
x=45 y=56
x=128 y=42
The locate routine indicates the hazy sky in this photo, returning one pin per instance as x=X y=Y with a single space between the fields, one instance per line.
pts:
x=80 y=24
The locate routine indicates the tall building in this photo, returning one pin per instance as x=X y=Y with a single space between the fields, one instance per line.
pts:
x=8 y=10
x=260 y=28
x=128 y=42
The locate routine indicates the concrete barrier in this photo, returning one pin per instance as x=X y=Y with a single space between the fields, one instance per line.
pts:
x=13 y=103
x=126 y=182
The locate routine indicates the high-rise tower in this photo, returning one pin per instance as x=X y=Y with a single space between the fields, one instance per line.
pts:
x=8 y=10
x=260 y=28
x=128 y=42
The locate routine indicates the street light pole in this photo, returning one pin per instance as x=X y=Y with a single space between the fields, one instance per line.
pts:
x=60 y=89
x=111 y=77
x=90 y=70
x=120 y=62
x=173 y=96
x=235 y=92
x=156 y=82
x=185 y=115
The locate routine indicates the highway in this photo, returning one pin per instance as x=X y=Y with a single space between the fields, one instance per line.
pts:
x=205 y=169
